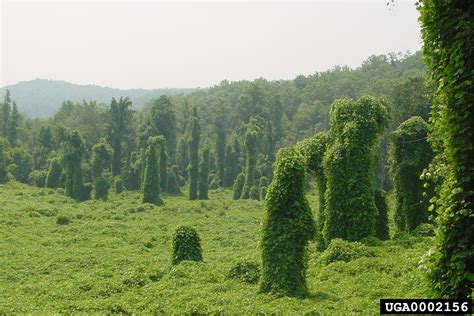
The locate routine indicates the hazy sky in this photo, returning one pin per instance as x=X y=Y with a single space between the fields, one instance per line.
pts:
x=163 y=44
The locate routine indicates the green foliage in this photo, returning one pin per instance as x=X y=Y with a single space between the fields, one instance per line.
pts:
x=22 y=164
x=101 y=188
x=313 y=150
x=63 y=220
x=119 y=129
x=193 y=149
x=231 y=166
x=53 y=179
x=163 y=122
x=220 y=148
x=12 y=126
x=163 y=165
x=251 y=161
x=349 y=165
x=410 y=155
x=447 y=33
x=38 y=178
x=3 y=161
x=342 y=250
x=102 y=154
x=186 y=245
x=287 y=228
x=238 y=186
x=204 y=175
x=72 y=158
x=173 y=184
x=244 y=271
x=5 y=114
x=263 y=193
x=118 y=185
x=254 y=193
x=263 y=182
x=151 y=182
x=424 y=230
x=381 y=226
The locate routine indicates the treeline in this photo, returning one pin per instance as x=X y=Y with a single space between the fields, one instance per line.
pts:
x=241 y=124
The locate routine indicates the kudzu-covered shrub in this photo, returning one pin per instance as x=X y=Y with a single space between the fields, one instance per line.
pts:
x=251 y=162
x=247 y=272
x=73 y=153
x=53 y=178
x=186 y=245
x=410 y=154
x=424 y=230
x=22 y=164
x=101 y=160
x=288 y=226
x=254 y=193
x=342 y=250
x=173 y=185
x=118 y=185
x=38 y=178
x=381 y=229
x=263 y=193
x=238 y=185
x=151 y=182
x=214 y=185
x=63 y=220
x=101 y=188
x=313 y=150
x=204 y=175
x=349 y=164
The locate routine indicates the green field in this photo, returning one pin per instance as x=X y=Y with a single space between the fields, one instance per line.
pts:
x=114 y=256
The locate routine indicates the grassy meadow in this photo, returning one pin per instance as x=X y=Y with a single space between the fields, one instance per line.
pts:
x=114 y=256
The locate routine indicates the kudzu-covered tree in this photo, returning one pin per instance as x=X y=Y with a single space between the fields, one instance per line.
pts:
x=102 y=154
x=118 y=185
x=173 y=182
x=410 y=154
x=72 y=158
x=53 y=179
x=231 y=166
x=254 y=193
x=163 y=122
x=163 y=165
x=288 y=226
x=3 y=161
x=151 y=181
x=313 y=150
x=193 y=150
x=204 y=175
x=186 y=245
x=251 y=162
x=349 y=165
x=447 y=32
x=21 y=164
x=381 y=226
x=183 y=157
x=220 y=148
x=120 y=120
x=263 y=193
x=12 y=125
x=238 y=186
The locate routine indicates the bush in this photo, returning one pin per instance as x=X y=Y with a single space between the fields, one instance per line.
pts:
x=53 y=179
x=186 y=245
x=38 y=178
x=254 y=193
x=173 y=185
x=101 y=186
x=342 y=250
x=238 y=186
x=118 y=185
x=63 y=220
x=424 y=230
x=245 y=271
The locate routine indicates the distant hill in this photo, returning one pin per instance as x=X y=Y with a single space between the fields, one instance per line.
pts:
x=42 y=97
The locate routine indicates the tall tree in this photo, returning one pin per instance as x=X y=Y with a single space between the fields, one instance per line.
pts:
x=204 y=174
x=72 y=156
x=193 y=145
x=220 y=148
x=163 y=121
x=151 y=182
x=102 y=154
x=251 y=161
x=119 y=129
x=447 y=32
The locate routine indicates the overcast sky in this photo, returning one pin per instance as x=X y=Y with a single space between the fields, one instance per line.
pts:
x=157 y=45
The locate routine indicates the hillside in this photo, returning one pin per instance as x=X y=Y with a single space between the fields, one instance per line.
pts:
x=42 y=97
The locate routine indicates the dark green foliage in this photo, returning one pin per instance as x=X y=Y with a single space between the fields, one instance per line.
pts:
x=424 y=230
x=72 y=158
x=238 y=185
x=247 y=272
x=263 y=182
x=173 y=184
x=133 y=176
x=12 y=126
x=3 y=161
x=186 y=245
x=5 y=114
x=63 y=220
x=220 y=148
x=183 y=157
x=118 y=185
x=163 y=165
x=119 y=131
x=214 y=185
x=231 y=166
x=151 y=182
x=263 y=193
x=288 y=226
x=349 y=164
x=381 y=229
x=21 y=164
x=38 y=178
x=102 y=154
x=447 y=32
x=342 y=250
x=53 y=179
x=409 y=156
x=254 y=193
x=193 y=149
x=313 y=150
x=163 y=122
x=204 y=175
x=251 y=162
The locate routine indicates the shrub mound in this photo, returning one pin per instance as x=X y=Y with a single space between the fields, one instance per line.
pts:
x=186 y=245
x=342 y=250
x=247 y=272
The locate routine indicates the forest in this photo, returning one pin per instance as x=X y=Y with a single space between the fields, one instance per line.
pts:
x=320 y=194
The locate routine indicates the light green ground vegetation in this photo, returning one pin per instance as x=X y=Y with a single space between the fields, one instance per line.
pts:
x=114 y=256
